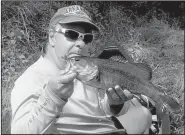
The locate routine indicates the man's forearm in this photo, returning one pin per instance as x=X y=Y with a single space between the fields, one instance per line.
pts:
x=35 y=116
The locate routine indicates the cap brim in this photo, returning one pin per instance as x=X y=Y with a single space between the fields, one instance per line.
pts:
x=75 y=19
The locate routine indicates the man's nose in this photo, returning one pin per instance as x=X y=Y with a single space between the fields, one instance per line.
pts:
x=80 y=43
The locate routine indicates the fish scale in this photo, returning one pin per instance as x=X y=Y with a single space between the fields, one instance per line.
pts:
x=136 y=77
x=143 y=70
x=110 y=77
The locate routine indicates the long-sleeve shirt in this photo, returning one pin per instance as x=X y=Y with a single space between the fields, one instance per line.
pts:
x=36 y=109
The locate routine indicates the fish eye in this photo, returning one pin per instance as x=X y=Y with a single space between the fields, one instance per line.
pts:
x=77 y=59
x=98 y=78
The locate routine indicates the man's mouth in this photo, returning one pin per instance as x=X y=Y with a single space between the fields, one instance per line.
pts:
x=73 y=55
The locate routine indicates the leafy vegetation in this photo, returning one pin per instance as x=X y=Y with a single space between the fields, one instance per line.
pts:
x=151 y=35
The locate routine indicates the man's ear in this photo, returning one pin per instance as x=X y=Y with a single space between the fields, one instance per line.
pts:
x=51 y=38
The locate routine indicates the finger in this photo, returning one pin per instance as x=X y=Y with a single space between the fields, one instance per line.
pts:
x=63 y=72
x=128 y=94
x=135 y=102
x=108 y=93
x=67 y=78
x=112 y=94
x=120 y=93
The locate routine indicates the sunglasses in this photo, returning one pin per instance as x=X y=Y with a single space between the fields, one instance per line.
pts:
x=74 y=35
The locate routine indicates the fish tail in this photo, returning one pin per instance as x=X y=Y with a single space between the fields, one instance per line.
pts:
x=167 y=101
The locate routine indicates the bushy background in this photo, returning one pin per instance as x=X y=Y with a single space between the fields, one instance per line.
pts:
x=142 y=28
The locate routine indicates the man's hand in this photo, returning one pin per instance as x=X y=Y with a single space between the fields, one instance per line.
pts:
x=62 y=85
x=117 y=97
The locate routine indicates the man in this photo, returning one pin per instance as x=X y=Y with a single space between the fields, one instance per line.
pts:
x=49 y=99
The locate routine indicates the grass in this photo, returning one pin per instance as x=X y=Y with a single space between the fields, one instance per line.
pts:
x=154 y=40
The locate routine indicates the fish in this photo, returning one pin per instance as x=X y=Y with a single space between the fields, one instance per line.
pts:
x=135 y=77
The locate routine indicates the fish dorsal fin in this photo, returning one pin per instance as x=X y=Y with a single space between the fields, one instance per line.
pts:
x=111 y=47
x=105 y=48
x=125 y=54
x=148 y=71
x=115 y=47
x=121 y=50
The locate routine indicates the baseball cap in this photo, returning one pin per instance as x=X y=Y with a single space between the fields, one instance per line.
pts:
x=72 y=14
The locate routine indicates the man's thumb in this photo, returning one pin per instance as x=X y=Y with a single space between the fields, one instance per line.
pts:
x=67 y=78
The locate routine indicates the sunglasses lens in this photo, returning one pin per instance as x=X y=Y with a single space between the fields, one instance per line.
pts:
x=88 y=38
x=71 y=34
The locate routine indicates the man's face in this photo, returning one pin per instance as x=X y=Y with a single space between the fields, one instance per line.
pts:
x=65 y=44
